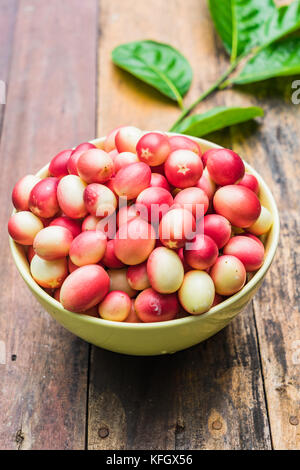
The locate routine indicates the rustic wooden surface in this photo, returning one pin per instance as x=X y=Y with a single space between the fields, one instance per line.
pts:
x=237 y=390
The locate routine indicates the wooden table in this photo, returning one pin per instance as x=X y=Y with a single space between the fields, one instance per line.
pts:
x=239 y=389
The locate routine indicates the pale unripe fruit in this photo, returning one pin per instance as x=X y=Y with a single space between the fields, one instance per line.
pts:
x=132 y=179
x=197 y=292
x=43 y=198
x=53 y=242
x=22 y=190
x=193 y=199
x=183 y=168
x=218 y=228
x=247 y=250
x=165 y=270
x=59 y=164
x=225 y=166
x=95 y=166
x=84 y=288
x=127 y=138
x=99 y=200
x=115 y=307
x=177 y=226
x=153 y=148
x=49 y=274
x=137 y=276
x=180 y=142
x=90 y=222
x=124 y=159
x=151 y=306
x=238 y=204
x=24 y=226
x=88 y=248
x=134 y=241
x=70 y=196
x=71 y=224
x=118 y=281
x=263 y=223
x=228 y=274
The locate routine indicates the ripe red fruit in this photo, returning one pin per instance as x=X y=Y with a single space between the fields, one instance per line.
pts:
x=88 y=248
x=249 y=181
x=201 y=253
x=183 y=168
x=43 y=198
x=159 y=181
x=238 y=204
x=109 y=258
x=59 y=164
x=218 y=228
x=157 y=202
x=134 y=241
x=71 y=224
x=74 y=157
x=121 y=160
x=177 y=226
x=109 y=143
x=95 y=166
x=115 y=307
x=137 y=276
x=151 y=306
x=247 y=250
x=132 y=179
x=225 y=166
x=193 y=199
x=22 y=190
x=180 y=142
x=99 y=200
x=207 y=184
x=153 y=148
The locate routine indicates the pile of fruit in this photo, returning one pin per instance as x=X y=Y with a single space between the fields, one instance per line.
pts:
x=144 y=229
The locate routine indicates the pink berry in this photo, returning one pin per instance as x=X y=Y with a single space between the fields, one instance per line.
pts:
x=159 y=181
x=193 y=199
x=228 y=275
x=151 y=306
x=247 y=250
x=180 y=142
x=124 y=159
x=30 y=253
x=218 y=228
x=88 y=248
x=109 y=258
x=225 y=166
x=176 y=227
x=207 y=184
x=127 y=138
x=116 y=306
x=70 y=196
x=249 y=181
x=238 y=204
x=84 y=288
x=134 y=241
x=90 y=222
x=119 y=281
x=132 y=179
x=99 y=200
x=71 y=266
x=71 y=224
x=109 y=143
x=153 y=148
x=201 y=253
x=183 y=168
x=137 y=276
x=165 y=270
x=43 y=198
x=132 y=317
x=95 y=166
x=59 y=164
x=24 y=226
x=22 y=190
x=157 y=201
x=49 y=274
x=74 y=157
x=206 y=155
x=53 y=242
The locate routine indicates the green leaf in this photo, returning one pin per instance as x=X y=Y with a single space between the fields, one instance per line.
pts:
x=220 y=11
x=248 y=20
x=215 y=119
x=157 y=64
x=279 y=59
x=285 y=20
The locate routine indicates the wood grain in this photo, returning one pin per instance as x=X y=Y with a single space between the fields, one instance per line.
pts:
x=50 y=105
x=211 y=396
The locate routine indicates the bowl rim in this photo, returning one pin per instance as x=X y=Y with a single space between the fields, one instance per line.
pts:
x=257 y=277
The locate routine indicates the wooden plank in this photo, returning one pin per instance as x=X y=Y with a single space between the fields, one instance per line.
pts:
x=211 y=396
x=50 y=106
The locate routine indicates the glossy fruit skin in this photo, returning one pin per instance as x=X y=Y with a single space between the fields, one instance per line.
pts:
x=134 y=241
x=247 y=250
x=84 y=288
x=151 y=306
x=193 y=199
x=22 y=190
x=183 y=168
x=99 y=200
x=207 y=184
x=228 y=275
x=121 y=160
x=201 y=253
x=180 y=142
x=90 y=223
x=218 y=228
x=132 y=317
x=109 y=143
x=205 y=156
x=119 y=281
x=70 y=192
x=95 y=166
x=71 y=266
x=263 y=223
x=157 y=201
x=159 y=181
x=176 y=227
x=153 y=148
x=225 y=166
x=59 y=164
x=137 y=276
x=165 y=270
x=238 y=204
x=132 y=179
x=24 y=226
x=127 y=213
x=74 y=157
x=43 y=198
x=249 y=181
x=197 y=292
x=49 y=274
x=52 y=242
x=88 y=248
x=109 y=258
x=116 y=306
x=127 y=138
x=73 y=225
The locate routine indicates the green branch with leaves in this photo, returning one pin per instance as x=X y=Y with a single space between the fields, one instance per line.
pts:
x=253 y=31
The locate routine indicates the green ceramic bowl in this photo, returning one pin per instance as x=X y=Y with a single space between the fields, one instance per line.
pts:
x=145 y=339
